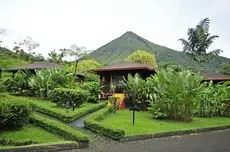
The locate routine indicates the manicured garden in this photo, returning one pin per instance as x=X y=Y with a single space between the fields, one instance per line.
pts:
x=30 y=134
x=145 y=124
x=170 y=101
x=67 y=115
x=20 y=126
x=43 y=104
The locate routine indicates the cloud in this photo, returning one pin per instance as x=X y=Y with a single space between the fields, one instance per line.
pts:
x=58 y=24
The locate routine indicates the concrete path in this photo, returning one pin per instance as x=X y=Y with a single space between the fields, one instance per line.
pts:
x=80 y=122
x=218 y=141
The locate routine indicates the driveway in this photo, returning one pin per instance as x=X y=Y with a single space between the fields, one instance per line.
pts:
x=218 y=141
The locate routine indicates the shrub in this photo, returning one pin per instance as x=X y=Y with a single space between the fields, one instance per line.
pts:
x=69 y=97
x=137 y=91
x=18 y=83
x=59 y=128
x=214 y=100
x=92 y=124
x=94 y=90
x=13 y=112
x=114 y=102
x=175 y=94
x=47 y=79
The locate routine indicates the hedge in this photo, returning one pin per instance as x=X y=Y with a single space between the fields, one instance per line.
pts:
x=16 y=143
x=92 y=123
x=94 y=90
x=14 y=112
x=79 y=112
x=69 y=97
x=59 y=128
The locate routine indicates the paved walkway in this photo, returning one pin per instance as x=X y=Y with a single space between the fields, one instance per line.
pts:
x=80 y=122
x=218 y=141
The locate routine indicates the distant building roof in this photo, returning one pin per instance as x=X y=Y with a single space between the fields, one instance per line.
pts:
x=216 y=76
x=35 y=66
x=126 y=66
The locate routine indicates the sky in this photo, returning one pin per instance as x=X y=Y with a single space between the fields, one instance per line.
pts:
x=57 y=24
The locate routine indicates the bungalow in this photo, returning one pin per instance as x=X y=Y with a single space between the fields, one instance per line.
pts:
x=33 y=66
x=111 y=76
x=215 y=77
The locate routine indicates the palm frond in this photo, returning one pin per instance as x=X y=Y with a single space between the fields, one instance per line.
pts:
x=204 y=24
x=209 y=40
x=186 y=45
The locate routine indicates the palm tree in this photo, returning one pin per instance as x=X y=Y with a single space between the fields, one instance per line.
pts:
x=56 y=57
x=199 y=40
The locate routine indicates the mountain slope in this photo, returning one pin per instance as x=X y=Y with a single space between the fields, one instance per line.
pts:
x=118 y=49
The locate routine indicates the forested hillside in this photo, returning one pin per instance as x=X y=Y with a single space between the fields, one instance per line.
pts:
x=118 y=49
x=9 y=58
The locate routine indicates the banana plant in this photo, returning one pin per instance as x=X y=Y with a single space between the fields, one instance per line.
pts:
x=175 y=94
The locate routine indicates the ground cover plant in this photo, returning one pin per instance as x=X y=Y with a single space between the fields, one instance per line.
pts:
x=145 y=124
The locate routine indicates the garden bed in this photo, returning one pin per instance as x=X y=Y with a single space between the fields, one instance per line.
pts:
x=145 y=125
x=60 y=129
x=93 y=123
x=67 y=115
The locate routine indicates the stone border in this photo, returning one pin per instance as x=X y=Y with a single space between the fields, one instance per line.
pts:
x=173 y=133
x=51 y=147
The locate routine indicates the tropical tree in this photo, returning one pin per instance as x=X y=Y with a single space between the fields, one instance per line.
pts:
x=30 y=45
x=55 y=56
x=174 y=66
x=142 y=57
x=86 y=65
x=199 y=40
x=78 y=53
x=226 y=68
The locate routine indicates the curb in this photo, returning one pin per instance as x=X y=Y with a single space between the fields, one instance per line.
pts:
x=173 y=133
x=45 y=148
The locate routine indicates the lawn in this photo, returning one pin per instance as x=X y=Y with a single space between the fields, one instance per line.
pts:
x=31 y=133
x=66 y=115
x=145 y=124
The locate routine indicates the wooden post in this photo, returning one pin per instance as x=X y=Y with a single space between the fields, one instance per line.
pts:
x=133 y=116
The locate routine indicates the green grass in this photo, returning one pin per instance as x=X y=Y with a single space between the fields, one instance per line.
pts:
x=145 y=124
x=66 y=115
x=31 y=133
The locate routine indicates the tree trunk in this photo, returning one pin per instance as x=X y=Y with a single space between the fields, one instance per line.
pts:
x=75 y=70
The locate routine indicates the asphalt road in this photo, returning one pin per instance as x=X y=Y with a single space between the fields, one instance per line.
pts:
x=218 y=141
